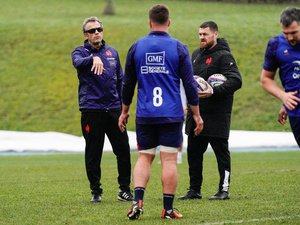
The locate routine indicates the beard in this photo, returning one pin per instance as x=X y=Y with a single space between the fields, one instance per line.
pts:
x=294 y=42
x=206 y=45
x=97 y=42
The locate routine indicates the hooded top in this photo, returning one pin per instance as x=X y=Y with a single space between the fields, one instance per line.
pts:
x=216 y=110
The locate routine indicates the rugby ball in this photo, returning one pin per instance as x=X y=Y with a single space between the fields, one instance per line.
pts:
x=201 y=84
x=216 y=79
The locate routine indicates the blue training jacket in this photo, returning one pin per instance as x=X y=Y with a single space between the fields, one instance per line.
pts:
x=98 y=92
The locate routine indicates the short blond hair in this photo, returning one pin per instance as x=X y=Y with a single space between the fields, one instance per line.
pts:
x=90 y=19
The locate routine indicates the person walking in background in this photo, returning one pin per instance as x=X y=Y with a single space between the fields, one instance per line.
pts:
x=213 y=57
x=157 y=62
x=283 y=53
x=100 y=79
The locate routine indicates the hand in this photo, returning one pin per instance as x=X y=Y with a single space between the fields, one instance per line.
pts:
x=199 y=124
x=290 y=100
x=123 y=119
x=97 y=67
x=207 y=93
x=282 y=116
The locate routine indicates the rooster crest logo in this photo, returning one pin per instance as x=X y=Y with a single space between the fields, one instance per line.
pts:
x=208 y=61
x=87 y=128
x=108 y=53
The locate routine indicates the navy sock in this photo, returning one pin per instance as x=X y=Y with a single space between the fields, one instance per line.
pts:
x=139 y=193
x=168 y=201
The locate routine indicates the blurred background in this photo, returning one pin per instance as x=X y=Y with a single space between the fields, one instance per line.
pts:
x=39 y=85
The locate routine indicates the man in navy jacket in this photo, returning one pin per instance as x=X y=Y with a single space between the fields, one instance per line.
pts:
x=100 y=77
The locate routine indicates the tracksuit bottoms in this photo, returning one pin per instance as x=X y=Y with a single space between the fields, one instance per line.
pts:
x=95 y=124
x=197 y=145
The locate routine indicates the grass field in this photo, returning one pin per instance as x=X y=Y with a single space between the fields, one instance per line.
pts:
x=39 y=93
x=39 y=84
x=53 y=189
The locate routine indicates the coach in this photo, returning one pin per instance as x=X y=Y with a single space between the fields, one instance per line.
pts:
x=100 y=76
x=213 y=57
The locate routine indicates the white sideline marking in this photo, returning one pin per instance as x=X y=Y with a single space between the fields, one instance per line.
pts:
x=252 y=220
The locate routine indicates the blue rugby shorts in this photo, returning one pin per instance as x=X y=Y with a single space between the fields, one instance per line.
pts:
x=152 y=135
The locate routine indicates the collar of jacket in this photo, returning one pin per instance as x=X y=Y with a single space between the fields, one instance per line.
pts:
x=159 y=33
x=222 y=44
x=88 y=46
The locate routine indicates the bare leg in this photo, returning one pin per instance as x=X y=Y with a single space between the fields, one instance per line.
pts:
x=142 y=169
x=169 y=175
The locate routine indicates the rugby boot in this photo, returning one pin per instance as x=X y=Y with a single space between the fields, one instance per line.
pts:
x=170 y=214
x=135 y=211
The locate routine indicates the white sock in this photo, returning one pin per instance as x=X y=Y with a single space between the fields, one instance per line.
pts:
x=179 y=157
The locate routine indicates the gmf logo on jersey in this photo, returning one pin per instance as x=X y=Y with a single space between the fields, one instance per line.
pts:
x=156 y=58
x=155 y=62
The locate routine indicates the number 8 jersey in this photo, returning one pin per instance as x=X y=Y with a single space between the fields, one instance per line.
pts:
x=157 y=62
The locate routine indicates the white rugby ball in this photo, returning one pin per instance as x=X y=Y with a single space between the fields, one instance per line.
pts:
x=201 y=84
x=216 y=79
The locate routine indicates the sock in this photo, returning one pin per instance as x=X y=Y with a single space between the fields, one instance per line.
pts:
x=138 y=193
x=168 y=201
x=179 y=157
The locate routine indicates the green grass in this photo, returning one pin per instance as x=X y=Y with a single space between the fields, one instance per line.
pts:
x=53 y=189
x=39 y=84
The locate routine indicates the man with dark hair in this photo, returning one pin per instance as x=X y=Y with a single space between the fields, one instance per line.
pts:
x=290 y=15
x=213 y=57
x=211 y=25
x=157 y=62
x=100 y=77
x=283 y=53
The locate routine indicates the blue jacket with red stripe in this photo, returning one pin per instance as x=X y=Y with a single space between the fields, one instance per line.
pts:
x=98 y=92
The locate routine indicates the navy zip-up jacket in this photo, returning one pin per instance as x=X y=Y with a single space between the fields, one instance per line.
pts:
x=98 y=92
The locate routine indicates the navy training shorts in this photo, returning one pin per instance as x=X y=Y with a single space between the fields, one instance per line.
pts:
x=152 y=135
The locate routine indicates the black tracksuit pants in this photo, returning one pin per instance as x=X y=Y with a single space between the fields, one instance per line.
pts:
x=197 y=146
x=94 y=127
